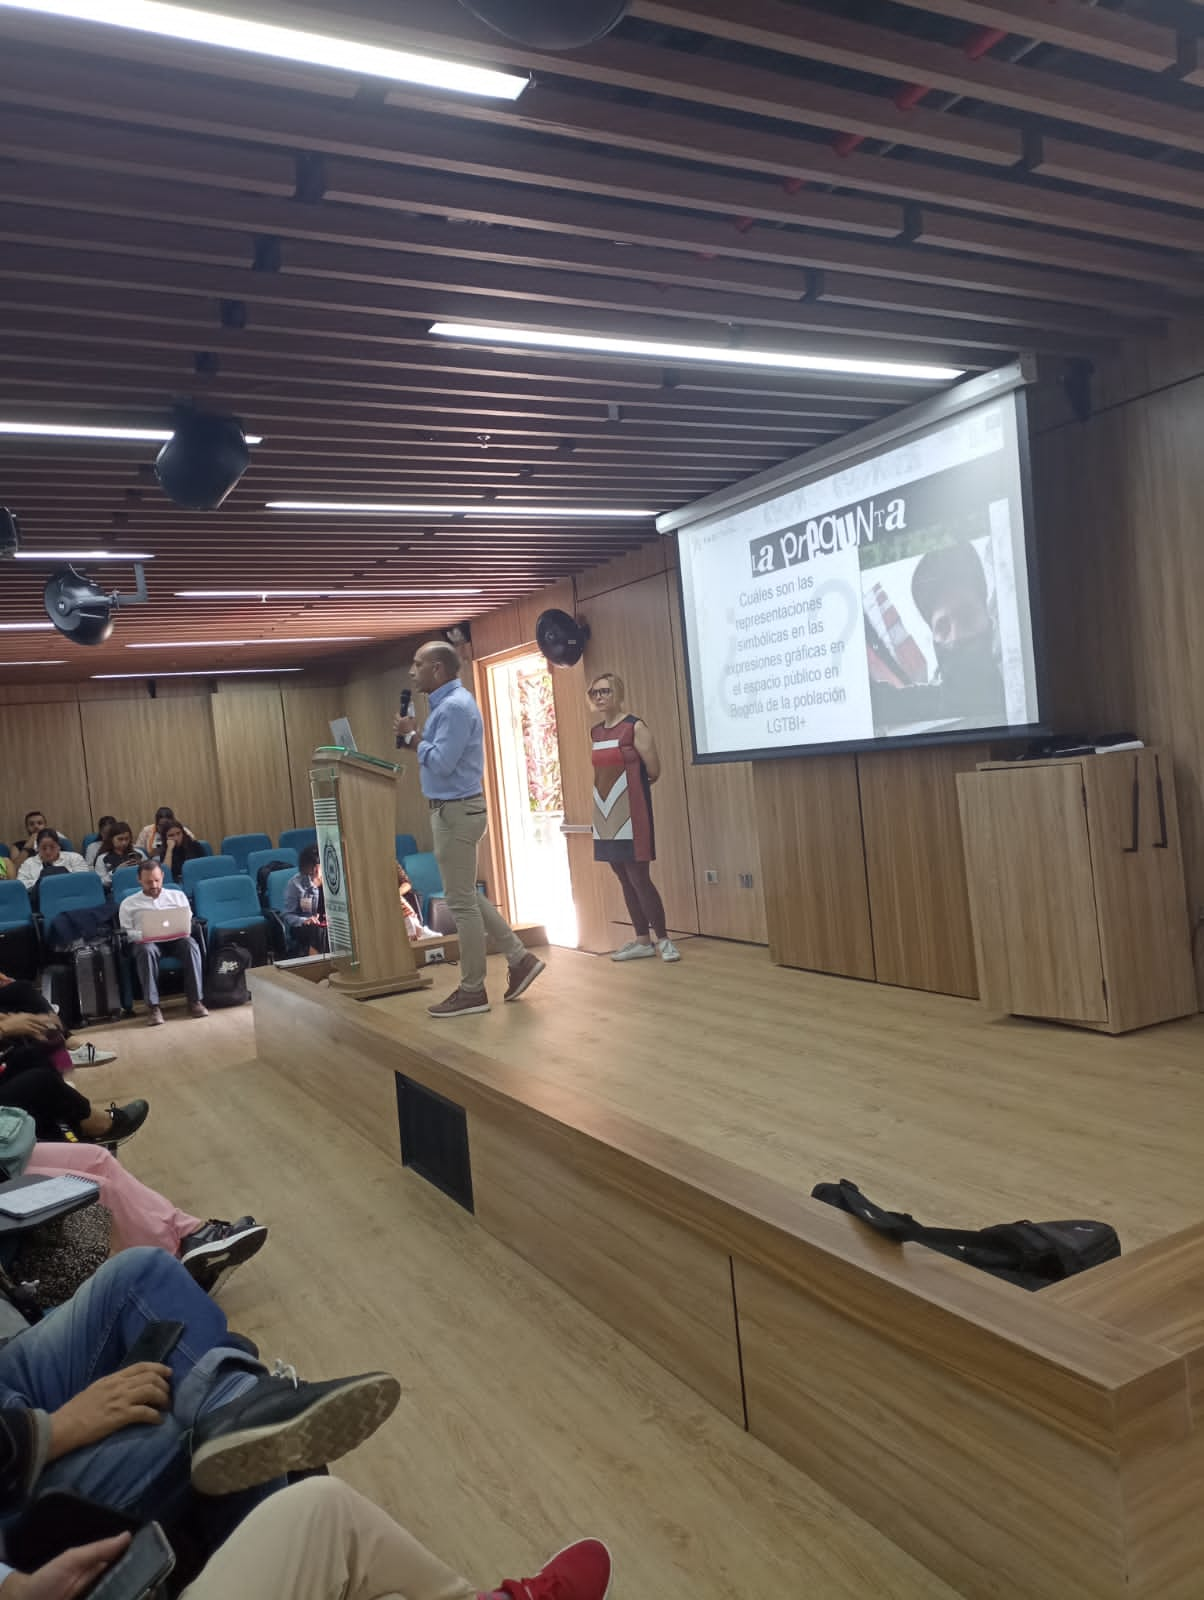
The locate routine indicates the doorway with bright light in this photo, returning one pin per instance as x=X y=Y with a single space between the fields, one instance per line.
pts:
x=530 y=796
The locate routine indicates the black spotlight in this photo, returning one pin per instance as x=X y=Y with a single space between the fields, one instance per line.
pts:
x=203 y=460
x=78 y=608
x=81 y=610
x=550 y=24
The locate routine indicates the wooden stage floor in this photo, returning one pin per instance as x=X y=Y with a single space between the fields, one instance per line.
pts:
x=928 y=1103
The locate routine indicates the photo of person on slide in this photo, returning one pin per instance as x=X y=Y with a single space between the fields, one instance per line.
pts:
x=951 y=675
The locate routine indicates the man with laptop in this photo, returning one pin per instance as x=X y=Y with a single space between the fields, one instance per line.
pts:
x=158 y=922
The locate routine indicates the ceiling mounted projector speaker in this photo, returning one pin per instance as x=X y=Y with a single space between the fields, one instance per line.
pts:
x=78 y=608
x=202 y=461
x=561 y=638
x=550 y=24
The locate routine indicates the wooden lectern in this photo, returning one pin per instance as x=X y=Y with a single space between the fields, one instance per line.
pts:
x=355 y=808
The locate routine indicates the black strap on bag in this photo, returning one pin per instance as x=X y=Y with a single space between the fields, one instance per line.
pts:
x=1030 y=1254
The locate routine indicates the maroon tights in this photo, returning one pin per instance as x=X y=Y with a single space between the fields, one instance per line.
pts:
x=644 y=905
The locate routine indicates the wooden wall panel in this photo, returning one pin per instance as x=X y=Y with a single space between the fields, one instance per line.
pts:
x=252 y=759
x=43 y=766
x=659 y=1284
x=916 y=869
x=646 y=562
x=813 y=864
x=630 y=633
x=723 y=818
x=308 y=713
x=370 y=702
x=1118 y=503
x=145 y=753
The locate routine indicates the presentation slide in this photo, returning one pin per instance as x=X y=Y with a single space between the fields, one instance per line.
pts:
x=884 y=601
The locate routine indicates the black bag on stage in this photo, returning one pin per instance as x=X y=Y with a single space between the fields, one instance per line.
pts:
x=226 y=976
x=1030 y=1254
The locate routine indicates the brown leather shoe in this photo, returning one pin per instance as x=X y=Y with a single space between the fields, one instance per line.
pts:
x=154 y=1017
x=461 y=1003
x=523 y=975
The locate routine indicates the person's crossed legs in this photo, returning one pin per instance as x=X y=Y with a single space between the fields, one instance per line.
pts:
x=211 y=1416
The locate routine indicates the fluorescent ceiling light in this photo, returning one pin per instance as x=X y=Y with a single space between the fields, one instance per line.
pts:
x=26 y=627
x=80 y=430
x=285 y=44
x=82 y=555
x=725 y=355
x=33 y=663
x=216 y=672
x=361 y=508
x=322 y=594
x=230 y=644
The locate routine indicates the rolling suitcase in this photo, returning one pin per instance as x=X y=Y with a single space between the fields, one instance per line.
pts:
x=58 y=986
x=96 y=981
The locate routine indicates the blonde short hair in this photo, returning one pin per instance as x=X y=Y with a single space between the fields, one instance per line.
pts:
x=616 y=683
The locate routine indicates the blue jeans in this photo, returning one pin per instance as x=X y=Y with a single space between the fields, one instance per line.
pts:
x=143 y=1469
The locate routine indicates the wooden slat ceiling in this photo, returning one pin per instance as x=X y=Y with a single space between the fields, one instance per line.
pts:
x=945 y=181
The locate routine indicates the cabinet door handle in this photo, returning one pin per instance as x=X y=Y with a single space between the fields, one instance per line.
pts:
x=1132 y=848
x=1163 y=842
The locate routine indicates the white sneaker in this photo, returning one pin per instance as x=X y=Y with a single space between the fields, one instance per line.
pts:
x=636 y=950
x=667 y=950
x=87 y=1055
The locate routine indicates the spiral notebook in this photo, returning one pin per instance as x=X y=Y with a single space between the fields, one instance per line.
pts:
x=45 y=1195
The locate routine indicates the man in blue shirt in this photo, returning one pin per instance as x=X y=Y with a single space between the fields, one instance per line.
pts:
x=451 y=763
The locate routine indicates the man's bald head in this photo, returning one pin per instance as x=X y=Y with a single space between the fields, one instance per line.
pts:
x=435 y=663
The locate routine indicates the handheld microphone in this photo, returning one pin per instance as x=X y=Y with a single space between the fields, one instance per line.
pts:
x=407 y=700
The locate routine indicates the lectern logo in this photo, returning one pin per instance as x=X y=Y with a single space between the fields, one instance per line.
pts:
x=332 y=870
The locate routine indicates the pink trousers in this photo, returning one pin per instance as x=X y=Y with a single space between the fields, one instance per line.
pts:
x=140 y=1215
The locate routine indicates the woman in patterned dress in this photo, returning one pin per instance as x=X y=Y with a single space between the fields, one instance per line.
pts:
x=626 y=765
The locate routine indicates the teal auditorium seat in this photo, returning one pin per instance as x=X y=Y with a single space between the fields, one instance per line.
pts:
x=229 y=907
x=202 y=868
x=297 y=838
x=69 y=891
x=89 y=838
x=240 y=845
x=423 y=872
x=283 y=938
x=206 y=848
x=406 y=845
x=18 y=932
x=281 y=854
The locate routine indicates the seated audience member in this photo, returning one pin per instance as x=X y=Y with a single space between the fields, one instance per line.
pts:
x=148 y=951
x=305 y=903
x=50 y=858
x=30 y=1082
x=8 y=867
x=22 y=849
x=72 y=1419
x=104 y=827
x=143 y=1217
x=322 y=1540
x=179 y=846
x=18 y=994
x=152 y=837
x=121 y=852
x=411 y=908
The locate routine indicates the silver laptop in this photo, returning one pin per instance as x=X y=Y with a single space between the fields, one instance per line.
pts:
x=340 y=732
x=163 y=922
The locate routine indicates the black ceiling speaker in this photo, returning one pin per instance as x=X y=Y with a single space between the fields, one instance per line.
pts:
x=203 y=460
x=561 y=638
x=81 y=610
x=550 y=24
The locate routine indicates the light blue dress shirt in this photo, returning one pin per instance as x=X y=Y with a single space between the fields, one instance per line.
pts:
x=451 y=752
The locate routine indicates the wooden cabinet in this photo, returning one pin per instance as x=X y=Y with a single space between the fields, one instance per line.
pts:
x=1077 y=895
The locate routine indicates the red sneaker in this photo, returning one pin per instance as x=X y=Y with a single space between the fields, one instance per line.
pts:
x=580 y=1572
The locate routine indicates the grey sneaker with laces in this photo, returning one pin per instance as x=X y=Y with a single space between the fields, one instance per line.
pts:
x=283 y=1425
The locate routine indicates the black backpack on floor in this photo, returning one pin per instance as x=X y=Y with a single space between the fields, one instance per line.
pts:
x=226 y=976
x=1030 y=1254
